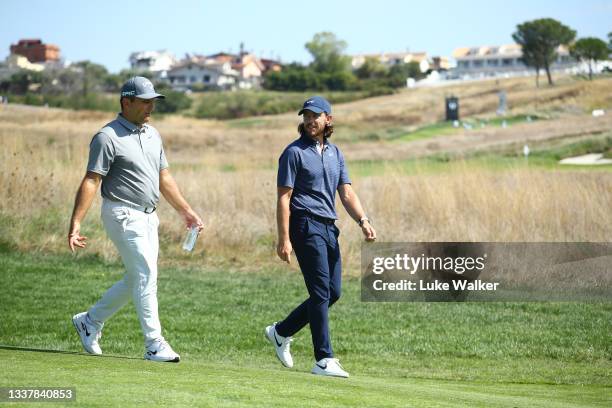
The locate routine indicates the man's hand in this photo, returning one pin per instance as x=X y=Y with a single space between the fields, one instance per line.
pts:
x=82 y=202
x=283 y=250
x=75 y=240
x=192 y=219
x=368 y=231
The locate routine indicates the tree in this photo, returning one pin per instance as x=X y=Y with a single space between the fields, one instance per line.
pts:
x=610 y=41
x=371 y=68
x=535 y=60
x=93 y=76
x=23 y=81
x=400 y=72
x=540 y=39
x=113 y=82
x=327 y=53
x=339 y=81
x=590 y=49
x=293 y=77
x=174 y=101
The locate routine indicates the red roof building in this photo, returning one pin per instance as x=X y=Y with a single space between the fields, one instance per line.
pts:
x=35 y=51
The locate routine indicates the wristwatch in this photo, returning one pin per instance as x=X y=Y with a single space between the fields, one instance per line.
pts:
x=362 y=220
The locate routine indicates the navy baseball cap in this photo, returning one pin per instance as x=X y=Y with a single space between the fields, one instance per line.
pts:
x=140 y=87
x=316 y=104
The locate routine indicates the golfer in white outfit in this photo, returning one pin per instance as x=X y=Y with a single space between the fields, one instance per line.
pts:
x=127 y=158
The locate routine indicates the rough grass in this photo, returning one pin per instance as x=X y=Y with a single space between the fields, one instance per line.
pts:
x=472 y=185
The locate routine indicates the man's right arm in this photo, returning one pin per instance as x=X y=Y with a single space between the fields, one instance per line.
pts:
x=284 y=247
x=82 y=202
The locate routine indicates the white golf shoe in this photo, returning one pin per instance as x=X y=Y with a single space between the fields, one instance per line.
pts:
x=88 y=333
x=330 y=367
x=161 y=351
x=281 y=345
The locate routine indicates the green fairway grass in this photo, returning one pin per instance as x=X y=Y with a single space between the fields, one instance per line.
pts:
x=447 y=128
x=441 y=164
x=545 y=156
x=399 y=134
x=108 y=381
x=398 y=354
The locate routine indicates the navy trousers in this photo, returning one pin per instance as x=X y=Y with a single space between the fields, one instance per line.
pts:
x=316 y=247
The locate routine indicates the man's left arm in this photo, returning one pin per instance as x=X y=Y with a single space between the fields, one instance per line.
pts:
x=171 y=192
x=351 y=203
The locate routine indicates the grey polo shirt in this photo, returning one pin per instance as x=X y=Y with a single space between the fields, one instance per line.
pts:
x=129 y=159
x=313 y=176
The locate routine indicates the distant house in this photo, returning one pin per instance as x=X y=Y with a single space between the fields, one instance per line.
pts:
x=250 y=67
x=271 y=65
x=191 y=74
x=251 y=70
x=15 y=63
x=36 y=51
x=394 y=58
x=157 y=62
x=504 y=60
x=19 y=62
x=30 y=55
x=222 y=70
x=440 y=63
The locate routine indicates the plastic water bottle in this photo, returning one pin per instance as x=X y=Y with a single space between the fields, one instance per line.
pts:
x=190 y=239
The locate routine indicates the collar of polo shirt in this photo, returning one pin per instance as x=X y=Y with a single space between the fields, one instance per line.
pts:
x=129 y=125
x=312 y=141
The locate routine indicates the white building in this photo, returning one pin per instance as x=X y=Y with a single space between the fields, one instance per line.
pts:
x=190 y=74
x=395 y=58
x=505 y=60
x=250 y=68
x=157 y=62
x=15 y=63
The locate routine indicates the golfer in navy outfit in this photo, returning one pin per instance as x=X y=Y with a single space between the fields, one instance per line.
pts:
x=310 y=172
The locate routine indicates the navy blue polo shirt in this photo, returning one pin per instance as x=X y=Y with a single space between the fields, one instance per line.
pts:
x=314 y=177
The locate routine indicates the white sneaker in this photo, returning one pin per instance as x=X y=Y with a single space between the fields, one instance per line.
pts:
x=162 y=352
x=330 y=367
x=281 y=345
x=88 y=333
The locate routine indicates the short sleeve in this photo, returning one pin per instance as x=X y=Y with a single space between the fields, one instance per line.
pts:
x=101 y=154
x=344 y=177
x=287 y=168
x=163 y=162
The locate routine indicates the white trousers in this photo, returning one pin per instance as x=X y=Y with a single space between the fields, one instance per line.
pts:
x=134 y=233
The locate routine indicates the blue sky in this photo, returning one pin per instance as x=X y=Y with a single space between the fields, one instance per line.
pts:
x=107 y=32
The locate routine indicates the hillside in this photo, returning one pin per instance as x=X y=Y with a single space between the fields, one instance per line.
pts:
x=397 y=150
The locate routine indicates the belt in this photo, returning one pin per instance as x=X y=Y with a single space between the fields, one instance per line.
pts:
x=328 y=221
x=146 y=210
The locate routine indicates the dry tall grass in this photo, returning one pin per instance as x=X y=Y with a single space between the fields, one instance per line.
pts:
x=228 y=175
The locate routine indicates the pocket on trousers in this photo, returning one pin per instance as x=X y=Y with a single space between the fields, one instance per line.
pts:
x=118 y=215
x=298 y=228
